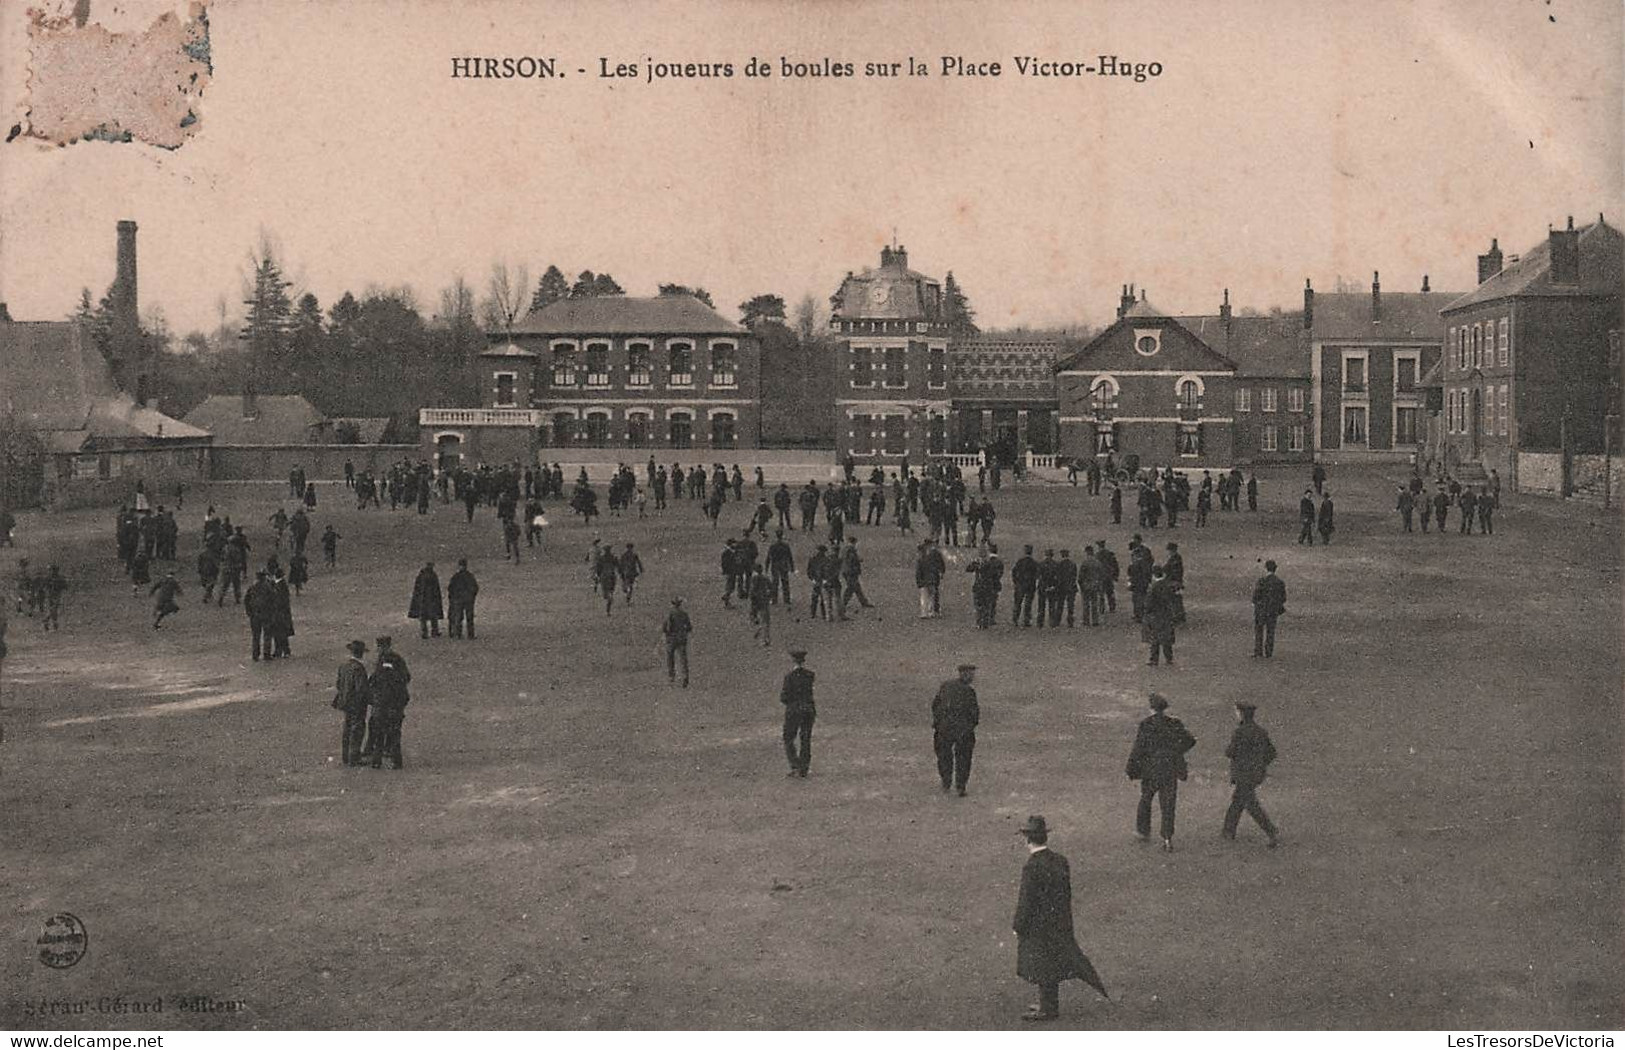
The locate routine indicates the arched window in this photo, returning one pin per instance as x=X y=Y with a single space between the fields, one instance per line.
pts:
x=1190 y=394
x=637 y=429
x=564 y=428
x=564 y=364
x=680 y=429
x=598 y=364
x=723 y=430
x=597 y=428
x=637 y=364
x=724 y=365
x=681 y=364
x=1103 y=394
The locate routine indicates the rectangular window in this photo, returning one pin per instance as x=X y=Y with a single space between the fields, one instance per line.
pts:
x=1354 y=430
x=1190 y=439
x=1405 y=426
x=1266 y=438
x=1501 y=397
x=863 y=366
x=1266 y=399
x=1450 y=347
x=1354 y=375
x=1478 y=346
x=1244 y=399
x=680 y=365
x=724 y=365
x=1501 y=343
x=680 y=430
x=861 y=434
x=1294 y=438
x=564 y=428
x=938 y=439
x=1294 y=399
x=1405 y=375
x=505 y=389
x=896 y=366
x=937 y=368
x=86 y=467
x=597 y=429
x=637 y=365
x=598 y=365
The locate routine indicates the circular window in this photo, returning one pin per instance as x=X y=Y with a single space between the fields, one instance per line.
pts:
x=1147 y=345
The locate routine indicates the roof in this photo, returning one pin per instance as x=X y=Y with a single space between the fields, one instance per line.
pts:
x=1262 y=347
x=1113 y=349
x=890 y=292
x=1143 y=308
x=281 y=419
x=1405 y=315
x=56 y=383
x=627 y=315
x=1601 y=249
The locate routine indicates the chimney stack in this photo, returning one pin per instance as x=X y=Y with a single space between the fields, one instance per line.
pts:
x=126 y=304
x=1125 y=300
x=1565 y=252
x=1224 y=311
x=899 y=256
x=1308 y=305
x=1489 y=264
x=1376 y=296
x=885 y=256
x=1425 y=288
x=5 y=314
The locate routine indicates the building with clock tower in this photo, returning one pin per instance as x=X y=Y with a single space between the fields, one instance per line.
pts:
x=891 y=364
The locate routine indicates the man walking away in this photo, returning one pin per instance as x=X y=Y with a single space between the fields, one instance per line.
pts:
x=1269 y=602
x=461 y=590
x=799 y=714
x=1157 y=761
x=1250 y=753
x=954 y=717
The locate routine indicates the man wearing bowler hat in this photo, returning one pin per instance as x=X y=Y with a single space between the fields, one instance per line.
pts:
x=799 y=714
x=1047 y=951
x=1158 y=763
x=954 y=716
x=1250 y=753
x=352 y=699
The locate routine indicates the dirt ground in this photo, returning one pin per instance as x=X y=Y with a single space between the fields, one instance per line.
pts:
x=575 y=844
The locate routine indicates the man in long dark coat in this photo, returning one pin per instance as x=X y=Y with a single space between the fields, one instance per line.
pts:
x=260 y=604
x=1250 y=753
x=1269 y=602
x=1161 y=614
x=389 y=695
x=351 y=697
x=281 y=627
x=799 y=714
x=1157 y=761
x=1047 y=951
x=461 y=591
x=426 y=607
x=1326 y=521
x=955 y=714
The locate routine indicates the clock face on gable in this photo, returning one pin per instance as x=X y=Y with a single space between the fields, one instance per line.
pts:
x=880 y=296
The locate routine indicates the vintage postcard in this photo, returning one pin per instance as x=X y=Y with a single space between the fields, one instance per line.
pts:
x=811 y=515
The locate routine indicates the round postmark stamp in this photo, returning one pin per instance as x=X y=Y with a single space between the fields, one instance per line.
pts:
x=63 y=941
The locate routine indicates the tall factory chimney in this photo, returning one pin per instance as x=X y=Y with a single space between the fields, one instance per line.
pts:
x=128 y=351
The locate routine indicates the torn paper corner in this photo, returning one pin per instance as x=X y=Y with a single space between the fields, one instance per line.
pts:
x=86 y=81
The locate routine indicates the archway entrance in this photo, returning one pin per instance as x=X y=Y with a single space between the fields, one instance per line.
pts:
x=448 y=451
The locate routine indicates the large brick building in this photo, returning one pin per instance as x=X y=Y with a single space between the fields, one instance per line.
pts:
x=661 y=372
x=891 y=364
x=1150 y=388
x=1531 y=353
x=1368 y=354
x=1272 y=419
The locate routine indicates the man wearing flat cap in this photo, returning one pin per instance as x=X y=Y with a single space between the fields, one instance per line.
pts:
x=1250 y=753
x=1047 y=951
x=799 y=714
x=1158 y=763
x=954 y=716
x=352 y=698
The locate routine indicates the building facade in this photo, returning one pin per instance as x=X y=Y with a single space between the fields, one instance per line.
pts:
x=1272 y=406
x=1530 y=357
x=1368 y=354
x=1148 y=388
x=646 y=373
x=1003 y=397
x=891 y=364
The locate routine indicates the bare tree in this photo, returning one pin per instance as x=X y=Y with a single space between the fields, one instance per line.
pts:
x=807 y=318
x=507 y=294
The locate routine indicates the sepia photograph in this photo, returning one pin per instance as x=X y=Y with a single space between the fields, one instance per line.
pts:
x=882 y=515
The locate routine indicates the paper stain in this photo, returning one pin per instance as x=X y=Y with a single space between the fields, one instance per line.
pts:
x=177 y=707
x=89 y=82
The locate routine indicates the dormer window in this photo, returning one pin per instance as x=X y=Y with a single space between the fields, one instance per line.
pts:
x=1147 y=341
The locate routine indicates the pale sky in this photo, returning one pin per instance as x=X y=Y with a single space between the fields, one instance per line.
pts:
x=1283 y=140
